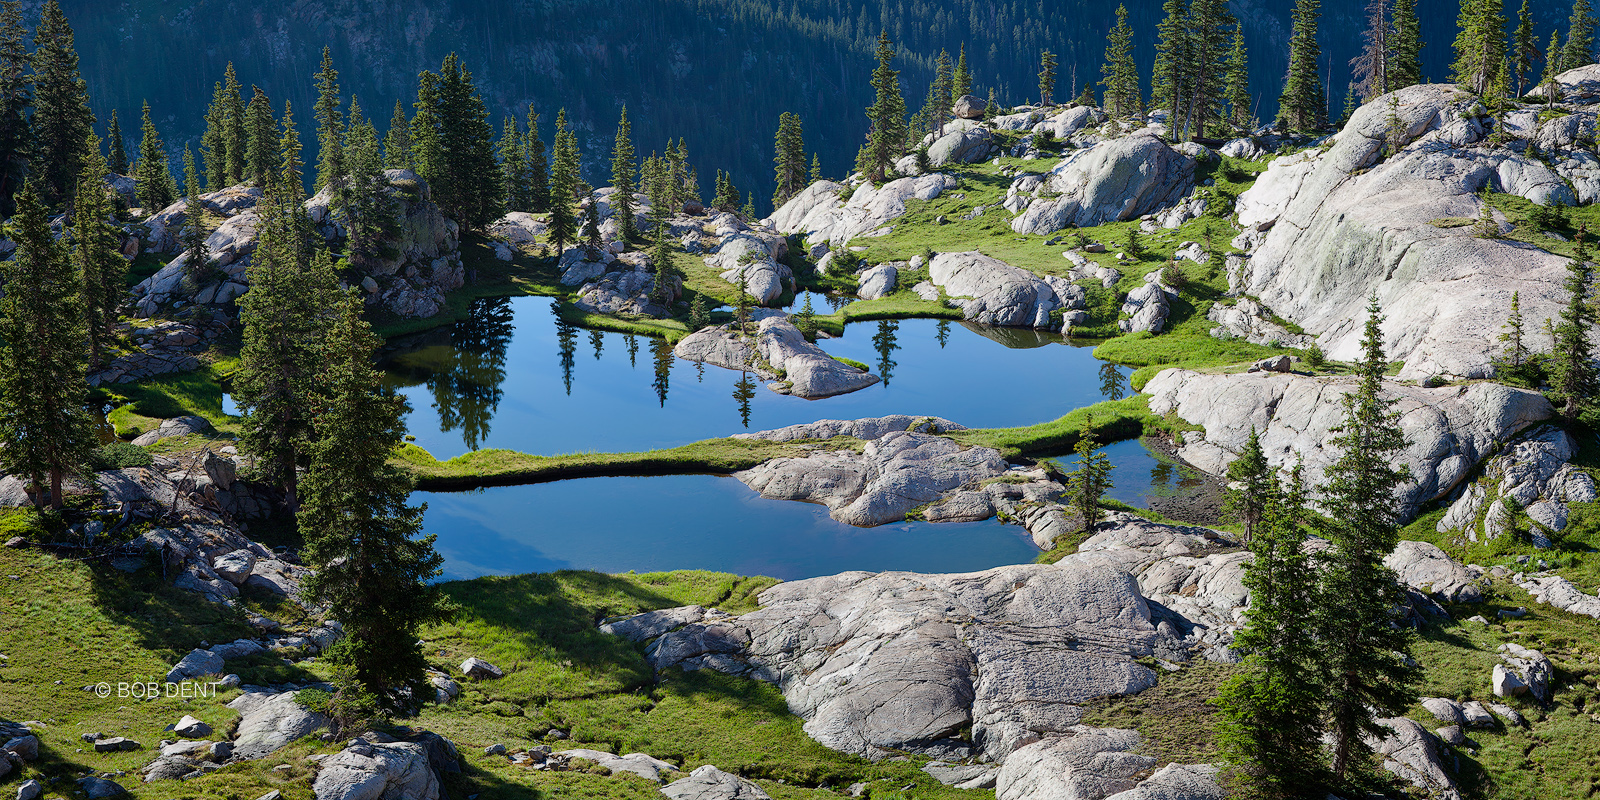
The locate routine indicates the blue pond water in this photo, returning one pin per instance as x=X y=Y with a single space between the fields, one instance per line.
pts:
x=513 y=376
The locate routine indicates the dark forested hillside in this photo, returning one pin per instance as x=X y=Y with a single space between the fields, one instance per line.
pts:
x=717 y=72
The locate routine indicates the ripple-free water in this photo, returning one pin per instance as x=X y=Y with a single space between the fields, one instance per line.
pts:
x=514 y=376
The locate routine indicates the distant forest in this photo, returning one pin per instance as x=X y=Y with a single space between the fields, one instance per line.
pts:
x=716 y=72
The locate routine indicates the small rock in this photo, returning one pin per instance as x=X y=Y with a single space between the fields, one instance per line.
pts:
x=495 y=750
x=1507 y=713
x=91 y=738
x=1506 y=682
x=272 y=795
x=1477 y=716
x=100 y=788
x=24 y=747
x=30 y=790
x=856 y=789
x=1478 y=618
x=556 y=733
x=475 y=667
x=222 y=751
x=16 y=542
x=191 y=728
x=114 y=744
x=1451 y=734
x=1513 y=613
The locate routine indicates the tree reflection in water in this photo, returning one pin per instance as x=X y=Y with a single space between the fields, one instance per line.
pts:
x=466 y=384
x=567 y=339
x=886 y=342
x=1112 y=382
x=744 y=391
x=662 y=351
x=597 y=340
x=633 y=349
x=942 y=333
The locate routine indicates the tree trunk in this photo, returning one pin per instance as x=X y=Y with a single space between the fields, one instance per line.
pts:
x=56 y=500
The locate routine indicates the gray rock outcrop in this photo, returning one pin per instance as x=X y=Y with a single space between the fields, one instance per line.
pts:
x=967 y=146
x=992 y=292
x=1561 y=593
x=1449 y=430
x=1346 y=223
x=877 y=282
x=807 y=370
x=1534 y=672
x=1414 y=755
x=1116 y=180
x=173 y=428
x=269 y=721
x=1252 y=322
x=819 y=215
x=377 y=771
x=1533 y=473
x=754 y=256
x=709 y=783
x=1424 y=566
x=1146 y=308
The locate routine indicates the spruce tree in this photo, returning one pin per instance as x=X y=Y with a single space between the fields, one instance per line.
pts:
x=118 y=160
x=563 y=179
x=816 y=169
x=45 y=431
x=623 y=174
x=362 y=198
x=1575 y=382
x=372 y=569
x=1365 y=653
x=1579 y=49
x=591 y=228
x=789 y=159
x=1047 y=77
x=330 y=125
x=886 y=115
x=1552 y=68
x=152 y=179
x=281 y=321
x=1251 y=486
x=427 y=150
x=1516 y=352
x=961 y=79
x=941 y=96
x=197 y=260
x=1119 y=74
x=1170 y=77
x=1480 y=45
x=16 y=95
x=1523 y=47
x=61 y=120
x=96 y=254
x=513 y=166
x=213 y=147
x=1237 y=90
x=234 y=136
x=1210 y=31
x=661 y=257
x=1405 y=46
x=261 y=139
x=1300 y=107
x=397 y=142
x=1371 y=65
x=1089 y=483
x=1270 y=709
x=467 y=184
x=727 y=197
x=538 y=170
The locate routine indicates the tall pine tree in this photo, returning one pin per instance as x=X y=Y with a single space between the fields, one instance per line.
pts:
x=1579 y=49
x=1365 y=653
x=886 y=115
x=1237 y=90
x=362 y=198
x=1170 y=77
x=197 y=259
x=623 y=178
x=1047 y=77
x=61 y=119
x=373 y=570
x=563 y=183
x=466 y=180
x=961 y=79
x=397 y=142
x=513 y=166
x=45 y=431
x=538 y=168
x=789 y=159
x=1210 y=31
x=96 y=254
x=1405 y=45
x=330 y=125
x=1480 y=45
x=1523 y=47
x=234 y=137
x=1301 y=106
x=1119 y=74
x=261 y=138
x=1575 y=383
x=152 y=178
x=16 y=95
x=118 y=159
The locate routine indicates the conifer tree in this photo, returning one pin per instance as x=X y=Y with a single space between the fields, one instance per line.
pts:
x=261 y=138
x=699 y=315
x=1575 y=382
x=197 y=259
x=1119 y=75
x=591 y=228
x=1480 y=46
x=373 y=570
x=1552 y=68
x=1269 y=728
x=397 y=142
x=816 y=169
x=1516 y=352
x=806 y=320
x=1371 y=65
x=789 y=159
x=427 y=150
x=330 y=125
x=661 y=257
x=1365 y=653
x=1300 y=107
x=466 y=184
x=748 y=210
x=1579 y=49
x=563 y=178
x=1237 y=90
x=152 y=179
x=1405 y=46
x=681 y=176
x=213 y=147
x=886 y=115
x=16 y=95
x=727 y=197
x=623 y=174
x=1523 y=48
x=281 y=319
x=1169 y=79
x=941 y=96
x=1210 y=26
x=538 y=170
x=234 y=136
x=118 y=160
x=362 y=198
x=45 y=431
x=61 y=120
x=1047 y=77
x=96 y=254
x=1252 y=485
x=961 y=80
x=513 y=166
x=1089 y=483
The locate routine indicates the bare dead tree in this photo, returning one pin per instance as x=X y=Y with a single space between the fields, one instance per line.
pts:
x=1371 y=65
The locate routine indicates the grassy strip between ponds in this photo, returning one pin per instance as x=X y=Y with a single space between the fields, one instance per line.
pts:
x=509 y=468
x=1111 y=421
